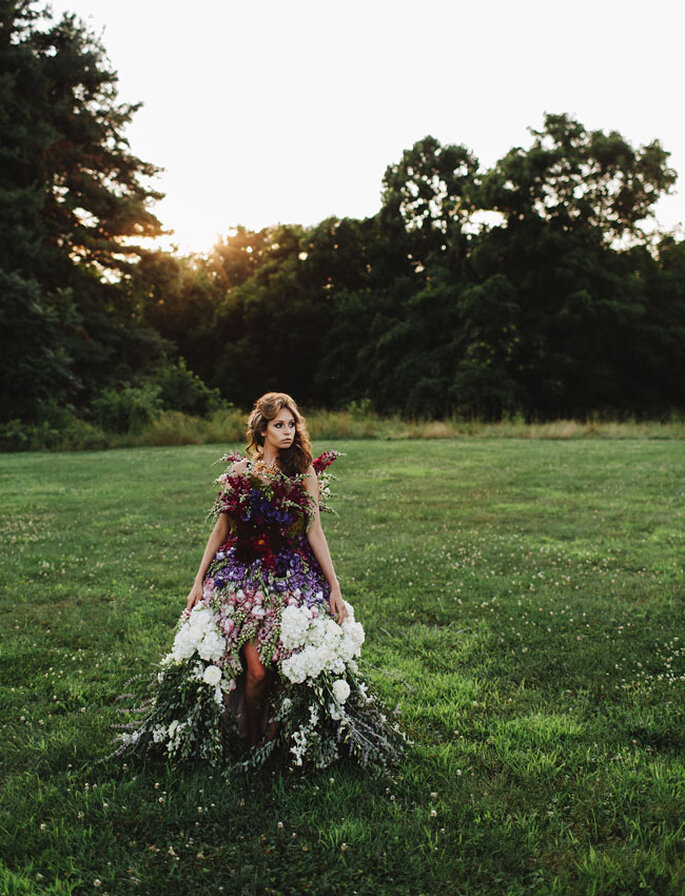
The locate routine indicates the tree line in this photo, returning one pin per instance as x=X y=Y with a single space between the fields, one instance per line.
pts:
x=529 y=287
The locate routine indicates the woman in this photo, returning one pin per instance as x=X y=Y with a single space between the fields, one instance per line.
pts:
x=265 y=654
x=278 y=444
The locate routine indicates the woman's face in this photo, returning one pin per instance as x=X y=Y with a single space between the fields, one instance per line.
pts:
x=280 y=431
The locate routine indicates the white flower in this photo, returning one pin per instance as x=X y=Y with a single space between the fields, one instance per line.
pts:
x=212 y=646
x=354 y=630
x=333 y=630
x=198 y=633
x=295 y=622
x=212 y=675
x=320 y=644
x=183 y=647
x=341 y=690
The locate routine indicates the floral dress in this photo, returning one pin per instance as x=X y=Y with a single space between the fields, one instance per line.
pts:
x=266 y=563
x=264 y=585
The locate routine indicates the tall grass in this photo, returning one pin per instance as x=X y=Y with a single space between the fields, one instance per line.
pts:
x=228 y=425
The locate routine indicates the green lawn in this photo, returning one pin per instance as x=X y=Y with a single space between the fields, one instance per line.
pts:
x=523 y=604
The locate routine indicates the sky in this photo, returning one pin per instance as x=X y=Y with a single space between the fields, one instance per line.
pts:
x=264 y=112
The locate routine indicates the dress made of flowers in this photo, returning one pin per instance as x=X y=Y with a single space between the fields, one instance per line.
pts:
x=265 y=586
x=266 y=564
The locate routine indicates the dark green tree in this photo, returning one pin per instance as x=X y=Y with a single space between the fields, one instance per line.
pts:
x=569 y=206
x=72 y=198
x=580 y=180
x=428 y=198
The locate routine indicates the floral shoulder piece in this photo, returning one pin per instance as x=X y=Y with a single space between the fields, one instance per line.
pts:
x=321 y=465
x=263 y=496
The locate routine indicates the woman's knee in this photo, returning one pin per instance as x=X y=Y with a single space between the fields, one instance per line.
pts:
x=256 y=670
x=256 y=673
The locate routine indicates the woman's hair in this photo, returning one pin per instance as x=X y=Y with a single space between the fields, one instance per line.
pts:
x=298 y=457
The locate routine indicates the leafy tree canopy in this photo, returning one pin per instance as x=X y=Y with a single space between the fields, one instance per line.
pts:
x=73 y=200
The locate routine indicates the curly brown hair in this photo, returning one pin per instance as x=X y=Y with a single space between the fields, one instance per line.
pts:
x=298 y=457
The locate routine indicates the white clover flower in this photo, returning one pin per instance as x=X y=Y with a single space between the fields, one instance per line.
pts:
x=341 y=690
x=212 y=675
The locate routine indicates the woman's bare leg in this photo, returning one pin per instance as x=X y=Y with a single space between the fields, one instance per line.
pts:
x=256 y=687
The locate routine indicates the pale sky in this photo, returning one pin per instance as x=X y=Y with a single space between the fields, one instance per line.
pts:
x=263 y=112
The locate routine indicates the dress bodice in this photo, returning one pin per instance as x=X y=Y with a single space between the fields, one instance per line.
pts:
x=268 y=511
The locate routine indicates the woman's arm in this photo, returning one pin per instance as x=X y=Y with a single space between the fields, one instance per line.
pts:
x=216 y=539
x=319 y=546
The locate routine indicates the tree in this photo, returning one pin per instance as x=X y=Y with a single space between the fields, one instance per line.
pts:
x=579 y=180
x=428 y=197
x=72 y=196
x=569 y=204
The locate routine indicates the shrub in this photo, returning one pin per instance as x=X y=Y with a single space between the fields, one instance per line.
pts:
x=180 y=389
x=56 y=429
x=128 y=409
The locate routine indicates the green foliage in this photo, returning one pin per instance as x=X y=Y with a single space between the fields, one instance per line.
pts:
x=71 y=197
x=128 y=408
x=527 y=288
x=556 y=304
x=54 y=428
x=182 y=390
x=35 y=362
x=578 y=180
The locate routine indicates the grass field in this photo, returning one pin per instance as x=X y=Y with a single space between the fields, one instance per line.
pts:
x=523 y=604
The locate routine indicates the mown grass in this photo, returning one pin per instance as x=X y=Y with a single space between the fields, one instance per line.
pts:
x=523 y=606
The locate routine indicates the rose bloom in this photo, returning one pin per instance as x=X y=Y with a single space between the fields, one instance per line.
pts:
x=341 y=690
x=212 y=675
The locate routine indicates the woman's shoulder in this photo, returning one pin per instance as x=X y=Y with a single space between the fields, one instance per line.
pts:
x=323 y=476
x=237 y=470
x=237 y=463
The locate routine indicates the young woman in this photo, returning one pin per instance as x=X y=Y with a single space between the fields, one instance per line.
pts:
x=244 y=556
x=264 y=660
